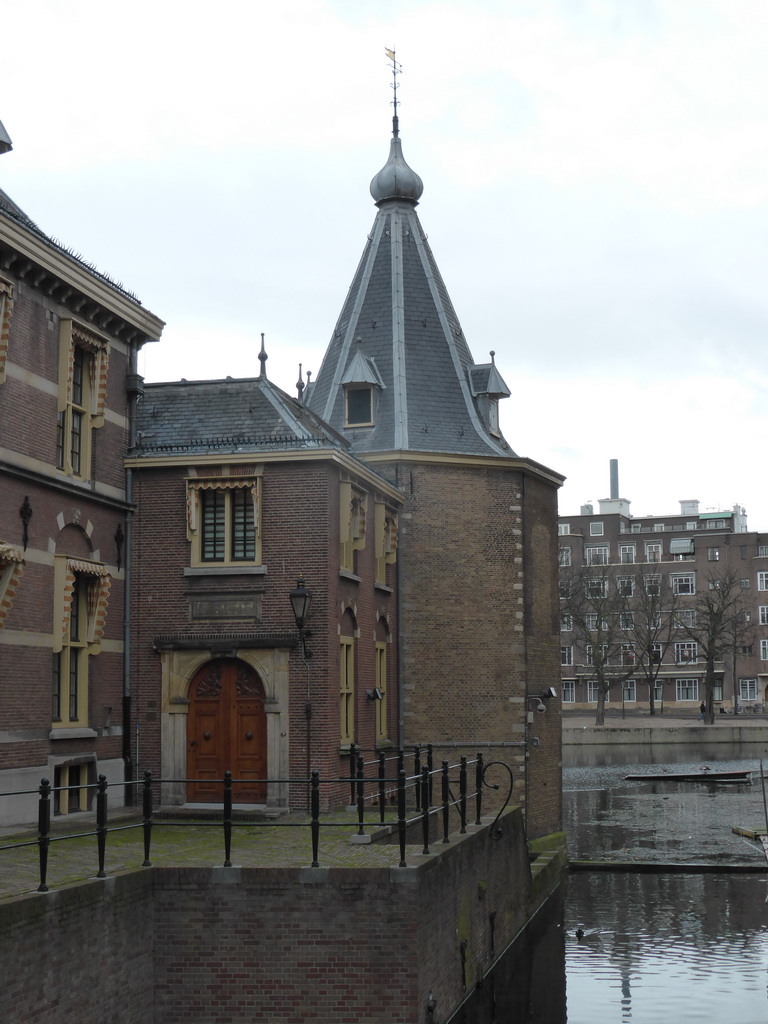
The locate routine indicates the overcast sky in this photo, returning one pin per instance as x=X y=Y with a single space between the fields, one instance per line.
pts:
x=595 y=193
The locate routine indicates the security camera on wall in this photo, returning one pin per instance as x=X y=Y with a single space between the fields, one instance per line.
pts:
x=550 y=692
x=540 y=707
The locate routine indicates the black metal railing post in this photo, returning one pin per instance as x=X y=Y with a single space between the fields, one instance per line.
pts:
x=382 y=785
x=446 y=806
x=44 y=831
x=352 y=779
x=479 y=789
x=314 y=803
x=463 y=793
x=101 y=823
x=401 y=814
x=430 y=766
x=227 y=819
x=425 y=807
x=360 y=795
x=417 y=772
x=147 y=810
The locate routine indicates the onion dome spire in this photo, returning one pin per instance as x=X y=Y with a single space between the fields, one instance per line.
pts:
x=396 y=180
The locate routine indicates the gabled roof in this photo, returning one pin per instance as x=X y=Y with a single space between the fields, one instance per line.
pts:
x=399 y=317
x=231 y=416
x=485 y=379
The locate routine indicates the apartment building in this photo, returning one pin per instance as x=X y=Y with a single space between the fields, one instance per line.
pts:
x=682 y=555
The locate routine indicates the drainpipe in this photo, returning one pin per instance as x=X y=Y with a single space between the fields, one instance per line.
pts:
x=400 y=655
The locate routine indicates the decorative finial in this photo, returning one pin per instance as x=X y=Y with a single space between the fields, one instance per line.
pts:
x=309 y=375
x=396 y=70
x=300 y=384
x=492 y=356
x=263 y=357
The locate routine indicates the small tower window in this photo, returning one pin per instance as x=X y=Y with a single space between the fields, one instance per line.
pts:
x=493 y=417
x=359 y=406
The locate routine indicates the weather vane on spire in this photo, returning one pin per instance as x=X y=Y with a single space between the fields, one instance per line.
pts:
x=396 y=70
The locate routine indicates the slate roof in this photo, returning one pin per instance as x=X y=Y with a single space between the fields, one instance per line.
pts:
x=13 y=211
x=398 y=315
x=230 y=416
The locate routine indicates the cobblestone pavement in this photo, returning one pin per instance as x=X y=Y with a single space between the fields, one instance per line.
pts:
x=287 y=844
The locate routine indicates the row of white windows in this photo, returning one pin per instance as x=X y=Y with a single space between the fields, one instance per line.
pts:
x=681 y=584
x=597 y=529
x=685 y=652
x=599 y=554
x=685 y=689
x=684 y=617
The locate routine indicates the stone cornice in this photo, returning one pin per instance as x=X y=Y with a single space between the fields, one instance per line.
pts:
x=349 y=463
x=520 y=465
x=41 y=264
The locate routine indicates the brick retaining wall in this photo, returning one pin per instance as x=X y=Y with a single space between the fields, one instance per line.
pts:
x=287 y=945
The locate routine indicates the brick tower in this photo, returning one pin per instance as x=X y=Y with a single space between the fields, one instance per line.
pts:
x=477 y=555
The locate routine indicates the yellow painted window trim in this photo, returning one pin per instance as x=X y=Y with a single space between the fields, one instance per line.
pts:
x=347 y=689
x=381 y=683
x=353 y=504
x=385 y=539
x=195 y=485
x=73 y=336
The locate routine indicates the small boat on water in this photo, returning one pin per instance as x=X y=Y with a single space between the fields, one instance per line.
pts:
x=703 y=775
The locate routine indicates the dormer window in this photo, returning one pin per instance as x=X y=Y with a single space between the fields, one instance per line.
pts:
x=362 y=383
x=359 y=407
x=487 y=388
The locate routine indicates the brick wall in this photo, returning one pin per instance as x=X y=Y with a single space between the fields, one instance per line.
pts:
x=285 y=945
x=74 y=517
x=481 y=631
x=300 y=537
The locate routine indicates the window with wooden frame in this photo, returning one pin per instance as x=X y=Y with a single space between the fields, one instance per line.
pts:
x=11 y=568
x=380 y=654
x=81 y=595
x=6 y=306
x=358 y=406
x=386 y=540
x=347 y=690
x=70 y=787
x=224 y=519
x=352 y=520
x=83 y=363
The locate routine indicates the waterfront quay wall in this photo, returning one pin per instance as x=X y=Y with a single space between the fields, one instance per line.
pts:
x=614 y=734
x=288 y=945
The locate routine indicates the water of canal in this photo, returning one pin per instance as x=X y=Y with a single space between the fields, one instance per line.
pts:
x=655 y=945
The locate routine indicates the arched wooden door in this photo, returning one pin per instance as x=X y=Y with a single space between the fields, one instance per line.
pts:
x=226 y=731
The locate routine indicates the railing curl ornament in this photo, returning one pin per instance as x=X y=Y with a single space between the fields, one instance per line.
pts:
x=496 y=831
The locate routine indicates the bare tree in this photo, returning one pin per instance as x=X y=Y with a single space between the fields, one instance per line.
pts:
x=598 y=610
x=653 y=624
x=719 y=625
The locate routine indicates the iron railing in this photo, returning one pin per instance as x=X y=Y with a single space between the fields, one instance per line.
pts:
x=400 y=789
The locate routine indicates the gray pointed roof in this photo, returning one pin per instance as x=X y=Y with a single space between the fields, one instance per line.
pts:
x=399 y=316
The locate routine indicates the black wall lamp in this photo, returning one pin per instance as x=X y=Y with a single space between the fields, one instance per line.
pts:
x=300 y=602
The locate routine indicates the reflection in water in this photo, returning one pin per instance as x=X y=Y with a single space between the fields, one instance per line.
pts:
x=639 y=947
x=608 y=818
x=666 y=947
